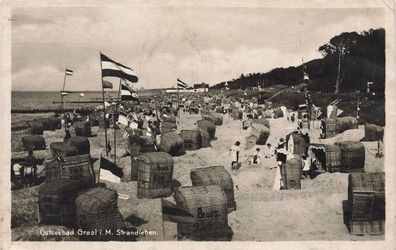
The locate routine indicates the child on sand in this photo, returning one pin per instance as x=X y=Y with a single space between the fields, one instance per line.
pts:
x=256 y=157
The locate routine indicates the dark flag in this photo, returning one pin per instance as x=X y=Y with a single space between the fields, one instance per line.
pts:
x=181 y=84
x=171 y=212
x=110 y=171
x=115 y=69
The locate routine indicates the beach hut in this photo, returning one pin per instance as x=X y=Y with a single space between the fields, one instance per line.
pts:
x=81 y=143
x=77 y=168
x=296 y=143
x=208 y=126
x=168 y=127
x=83 y=129
x=217 y=119
x=237 y=114
x=96 y=209
x=328 y=157
x=191 y=139
x=373 y=132
x=172 y=144
x=36 y=127
x=208 y=205
x=261 y=132
x=215 y=175
x=330 y=128
x=205 y=138
x=60 y=150
x=346 y=123
x=250 y=141
x=262 y=121
x=352 y=156
x=33 y=142
x=365 y=212
x=291 y=172
x=56 y=203
x=155 y=172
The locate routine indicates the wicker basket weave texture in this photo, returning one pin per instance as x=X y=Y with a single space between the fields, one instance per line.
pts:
x=172 y=144
x=208 y=126
x=83 y=129
x=57 y=202
x=78 y=168
x=215 y=175
x=155 y=171
x=366 y=196
x=352 y=155
x=191 y=139
x=208 y=204
x=81 y=143
x=291 y=172
x=62 y=150
x=33 y=142
x=261 y=132
x=373 y=132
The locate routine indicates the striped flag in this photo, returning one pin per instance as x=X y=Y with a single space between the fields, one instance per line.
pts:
x=181 y=84
x=171 y=212
x=115 y=69
x=69 y=72
x=110 y=171
x=127 y=93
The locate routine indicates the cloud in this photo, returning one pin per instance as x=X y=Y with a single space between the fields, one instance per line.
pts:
x=161 y=44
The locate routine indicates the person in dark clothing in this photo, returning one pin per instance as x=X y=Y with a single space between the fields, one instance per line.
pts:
x=281 y=152
x=68 y=135
x=292 y=118
x=30 y=169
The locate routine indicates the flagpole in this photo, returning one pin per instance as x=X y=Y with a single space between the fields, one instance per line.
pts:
x=104 y=105
x=114 y=117
x=63 y=89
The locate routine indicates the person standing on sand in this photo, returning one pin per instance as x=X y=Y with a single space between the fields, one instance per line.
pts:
x=281 y=156
x=235 y=150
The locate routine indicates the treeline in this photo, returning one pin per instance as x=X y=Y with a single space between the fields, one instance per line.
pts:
x=359 y=56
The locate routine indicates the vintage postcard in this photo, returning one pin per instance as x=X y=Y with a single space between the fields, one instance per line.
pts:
x=228 y=125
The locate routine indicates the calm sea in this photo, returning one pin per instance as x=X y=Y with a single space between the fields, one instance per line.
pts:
x=45 y=100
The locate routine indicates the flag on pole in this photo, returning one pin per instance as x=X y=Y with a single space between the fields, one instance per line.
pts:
x=127 y=93
x=107 y=85
x=171 y=212
x=69 y=72
x=115 y=69
x=181 y=84
x=63 y=93
x=109 y=171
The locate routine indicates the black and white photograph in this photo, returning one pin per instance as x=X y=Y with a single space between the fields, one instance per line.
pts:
x=197 y=122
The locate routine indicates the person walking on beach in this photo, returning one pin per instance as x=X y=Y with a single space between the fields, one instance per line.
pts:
x=235 y=150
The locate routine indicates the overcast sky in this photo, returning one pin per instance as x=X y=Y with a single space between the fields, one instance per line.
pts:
x=161 y=44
